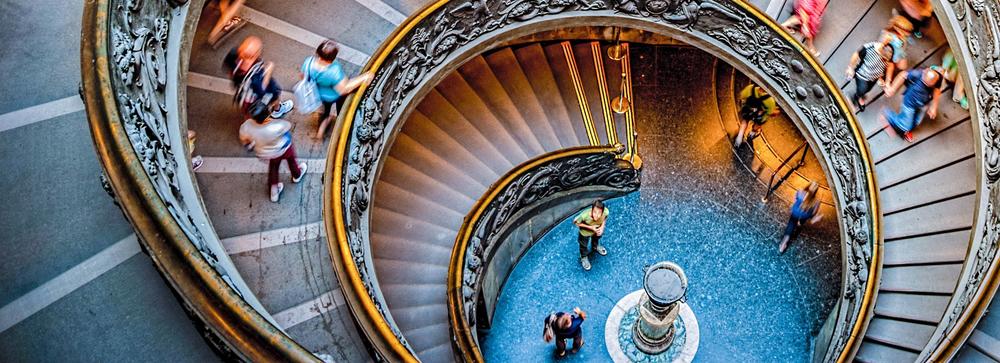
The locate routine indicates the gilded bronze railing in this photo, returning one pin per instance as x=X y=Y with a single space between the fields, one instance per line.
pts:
x=973 y=31
x=441 y=36
x=559 y=174
x=133 y=64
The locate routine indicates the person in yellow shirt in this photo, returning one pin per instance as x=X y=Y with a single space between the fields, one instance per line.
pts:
x=591 y=222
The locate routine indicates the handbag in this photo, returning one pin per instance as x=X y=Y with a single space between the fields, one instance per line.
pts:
x=306 y=92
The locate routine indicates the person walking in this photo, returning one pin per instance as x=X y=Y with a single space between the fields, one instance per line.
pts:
x=332 y=85
x=804 y=210
x=918 y=13
x=806 y=19
x=923 y=89
x=228 y=22
x=591 y=222
x=196 y=160
x=562 y=326
x=253 y=80
x=756 y=106
x=870 y=65
x=271 y=139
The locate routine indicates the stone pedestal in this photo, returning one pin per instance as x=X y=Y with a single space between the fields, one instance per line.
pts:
x=654 y=324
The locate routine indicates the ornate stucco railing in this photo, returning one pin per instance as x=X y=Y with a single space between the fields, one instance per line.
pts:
x=973 y=31
x=560 y=180
x=446 y=33
x=133 y=63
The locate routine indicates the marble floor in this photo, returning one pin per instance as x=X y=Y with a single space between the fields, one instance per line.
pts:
x=698 y=207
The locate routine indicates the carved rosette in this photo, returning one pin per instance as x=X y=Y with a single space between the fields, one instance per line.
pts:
x=730 y=27
x=531 y=187
x=979 y=21
x=138 y=40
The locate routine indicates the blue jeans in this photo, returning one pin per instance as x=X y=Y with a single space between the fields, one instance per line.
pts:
x=906 y=119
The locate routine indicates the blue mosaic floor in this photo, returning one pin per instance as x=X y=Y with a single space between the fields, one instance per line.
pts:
x=697 y=207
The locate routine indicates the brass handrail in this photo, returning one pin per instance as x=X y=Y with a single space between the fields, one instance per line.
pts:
x=468 y=349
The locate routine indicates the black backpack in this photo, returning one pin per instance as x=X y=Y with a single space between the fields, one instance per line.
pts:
x=753 y=108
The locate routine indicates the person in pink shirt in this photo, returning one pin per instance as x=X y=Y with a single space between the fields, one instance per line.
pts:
x=806 y=20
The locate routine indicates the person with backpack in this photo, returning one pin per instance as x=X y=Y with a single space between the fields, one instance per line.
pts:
x=870 y=65
x=252 y=78
x=804 y=210
x=271 y=139
x=756 y=106
x=591 y=222
x=923 y=89
x=562 y=326
x=333 y=86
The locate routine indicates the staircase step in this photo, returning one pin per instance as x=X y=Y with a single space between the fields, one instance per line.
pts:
x=400 y=174
x=560 y=71
x=505 y=66
x=839 y=22
x=939 y=279
x=410 y=152
x=971 y=354
x=400 y=225
x=917 y=307
x=410 y=295
x=947 y=147
x=460 y=94
x=948 y=215
x=873 y=352
x=424 y=315
x=941 y=184
x=409 y=249
x=584 y=56
x=900 y=333
x=410 y=272
x=985 y=343
x=937 y=248
x=536 y=66
x=481 y=78
x=443 y=114
x=411 y=203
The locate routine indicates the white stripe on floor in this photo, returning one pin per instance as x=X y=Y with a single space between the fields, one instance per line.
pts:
x=249 y=165
x=308 y=310
x=300 y=35
x=277 y=237
x=220 y=85
x=67 y=282
x=38 y=113
x=384 y=10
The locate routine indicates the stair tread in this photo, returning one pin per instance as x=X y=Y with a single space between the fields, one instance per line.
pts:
x=926 y=279
x=900 y=333
x=470 y=104
x=947 y=147
x=481 y=78
x=543 y=82
x=925 y=308
x=560 y=70
x=945 y=247
x=506 y=67
x=951 y=214
x=876 y=353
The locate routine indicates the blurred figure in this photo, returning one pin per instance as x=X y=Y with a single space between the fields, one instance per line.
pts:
x=271 y=139
x=923 y=89
x=949 y=66
x=918 y=12
x=562 y=326
x=806 y=20
x=591 y=222
x=252 y=78
x=333 y=85
x=196 y=160
x=756 y=106
x=228 y=22
x=804 y=210
x=895 y=34
x=870 y=65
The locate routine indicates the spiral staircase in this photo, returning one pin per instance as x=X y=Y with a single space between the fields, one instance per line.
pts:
x=496 y=110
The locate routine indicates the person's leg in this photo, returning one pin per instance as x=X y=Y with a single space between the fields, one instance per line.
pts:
x=754 y=132
x=560 y=347
x=293 y=163
x=791 y=23
x=790 y=228
x=595 y=242
x=958 y=95
x=274 y=187
x=321 y=131
x=739 y=134
x=583 y=241
x=228 y=11
x=577 y=343
x=861 y=89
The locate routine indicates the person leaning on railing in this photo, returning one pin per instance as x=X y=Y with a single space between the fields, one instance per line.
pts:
x=331 y=83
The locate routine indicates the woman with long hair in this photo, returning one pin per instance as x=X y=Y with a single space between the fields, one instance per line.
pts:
x=804 y=210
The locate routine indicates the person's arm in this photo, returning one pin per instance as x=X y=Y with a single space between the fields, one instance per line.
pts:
x=852 y=65
x=898 y=82
x=586 y=226
x=932 y=111
x=268 y=69
x=582 y=314
x=245 y=138
x=890 y=68
x=349 y=85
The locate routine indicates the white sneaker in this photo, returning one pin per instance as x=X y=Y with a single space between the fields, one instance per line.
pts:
x=276 y=191
x=283 y=109
x=196 y=162
x=302 y=171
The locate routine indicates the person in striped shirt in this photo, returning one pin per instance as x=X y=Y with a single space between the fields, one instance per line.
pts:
x=870 y=65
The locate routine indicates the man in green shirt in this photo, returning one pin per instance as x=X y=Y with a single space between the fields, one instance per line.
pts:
x=591 y=222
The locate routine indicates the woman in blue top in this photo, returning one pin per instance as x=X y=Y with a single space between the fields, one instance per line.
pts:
x=331 y=83
x=803 y=210
x=563 y=326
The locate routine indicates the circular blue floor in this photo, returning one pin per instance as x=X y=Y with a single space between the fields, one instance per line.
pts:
x=698 y=208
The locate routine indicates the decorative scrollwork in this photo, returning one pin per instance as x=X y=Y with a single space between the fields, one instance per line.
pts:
x=730 y=26
x=531 y=187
